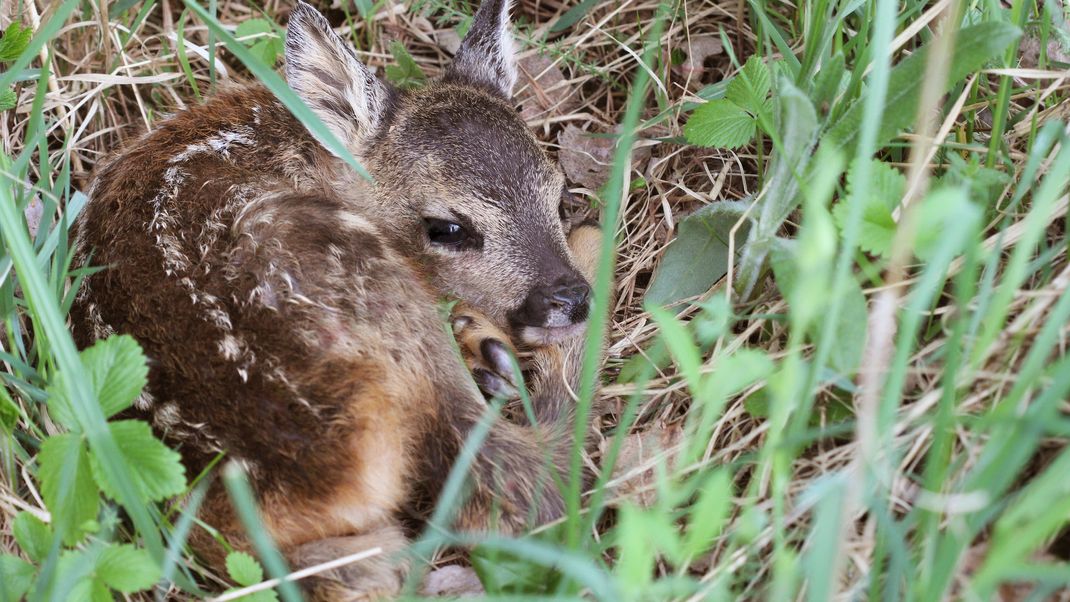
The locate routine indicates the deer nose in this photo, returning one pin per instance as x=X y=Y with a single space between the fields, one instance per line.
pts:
x=570 y=296
x=562 y=303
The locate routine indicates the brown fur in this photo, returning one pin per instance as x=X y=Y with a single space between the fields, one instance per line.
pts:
x=288 y=307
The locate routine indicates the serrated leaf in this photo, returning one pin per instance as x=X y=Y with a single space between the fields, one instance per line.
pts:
x=974 y=46
x=118 y=371
x=8 y=99
x=720 y=123
x=89 y=590
x=156 y=469
x=750 y=88
x=878 y=227
x=405 y=73
x=32 y=535
x=127 y=569
x=697 y=258
x=244 y=569
x=16 y=39
x=67 y=484
x=16 y=577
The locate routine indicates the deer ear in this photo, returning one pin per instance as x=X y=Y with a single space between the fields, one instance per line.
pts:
x=324 y=71
x=486 y=57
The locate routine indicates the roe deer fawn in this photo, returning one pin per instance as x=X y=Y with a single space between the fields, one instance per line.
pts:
x=288 y=306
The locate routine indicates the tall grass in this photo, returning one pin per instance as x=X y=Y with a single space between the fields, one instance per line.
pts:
x=872 y=405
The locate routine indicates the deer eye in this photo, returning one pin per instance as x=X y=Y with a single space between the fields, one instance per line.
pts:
x=445 y=233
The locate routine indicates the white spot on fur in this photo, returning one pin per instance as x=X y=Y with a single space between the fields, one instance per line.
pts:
x=230 y=347
x=219 y=144
x=167 y=417
x=144 y=401
x=101 y=330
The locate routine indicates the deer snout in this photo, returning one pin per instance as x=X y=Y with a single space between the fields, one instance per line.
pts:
x=553 y=311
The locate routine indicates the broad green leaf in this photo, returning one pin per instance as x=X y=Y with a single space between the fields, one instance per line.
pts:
x=16 y=577
x=974 y=46
x=886 y=187
x=750 y=88
x=405 y=73
x=67 y=484
x=850 y=329
x=849 y=338
x=936 y=212
x=90 y=590
x=708 y=514
x=829 y=80
x=157 y=470
x=698 y=257
x=720 y=123
x=8 y=99
x=14 y=42
x=504 y=573
x=32 y=535
x=118 y=371
x=268 y=47
x=127 y=569
x=244 y=569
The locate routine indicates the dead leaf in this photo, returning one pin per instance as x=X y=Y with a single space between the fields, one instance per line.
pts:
x=452 y=580
x=1029 y=50
x=698 y=50
x=587 y=158
x=448 y=40
x=34 y=212
x=542 y=89
x=639 y=455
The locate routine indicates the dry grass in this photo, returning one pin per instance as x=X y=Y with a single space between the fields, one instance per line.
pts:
x=104 y=91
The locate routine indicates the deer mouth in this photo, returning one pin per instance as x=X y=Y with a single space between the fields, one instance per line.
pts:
x=537 y=336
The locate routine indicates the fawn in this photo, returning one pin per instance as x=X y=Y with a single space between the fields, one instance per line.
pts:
x=289 y=307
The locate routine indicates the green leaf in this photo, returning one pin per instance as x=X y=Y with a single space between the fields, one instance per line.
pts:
x=698 y=257
x=750 y=88
x=573 y=15
x=405 y=73
x=118 y=371
x=504 y=573
x=8 y=99
x=244 y=569
x=67 y=484
x=849 y=338
x=157 y=470
x=974 y=46
x=90 y=590
x=887 y=186
x=720 y=123
x=32 y=535
x=829 y=80
x=16 y=577
x=16 y=39
x=127 y=569
x=266 y=48
x=708 y=514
